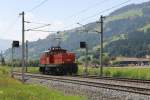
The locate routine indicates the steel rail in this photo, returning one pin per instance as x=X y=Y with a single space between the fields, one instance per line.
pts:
x=115 y=79
x=107 y=78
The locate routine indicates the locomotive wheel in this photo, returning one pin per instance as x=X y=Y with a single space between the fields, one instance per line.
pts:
x=75 y=69
x=53 y=71
x=72 y=69
x=63 y=69
x=42 y=70
x=60 y=70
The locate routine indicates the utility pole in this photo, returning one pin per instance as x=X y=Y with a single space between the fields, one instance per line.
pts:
x=26 y=55
x=101 y=46
x=23 y=48
x=83 y=45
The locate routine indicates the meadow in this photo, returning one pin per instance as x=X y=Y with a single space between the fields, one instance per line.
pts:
x=11 y=89
x=121 y=72
x=116 y=72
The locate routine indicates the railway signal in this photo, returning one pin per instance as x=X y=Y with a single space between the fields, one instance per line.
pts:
x=101 y=42
x=15 y=44
x=83 y=45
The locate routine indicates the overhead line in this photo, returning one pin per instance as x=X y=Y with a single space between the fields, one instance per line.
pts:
x=37 y=6
x=39 y=27
x=106 y=10
x=36 y=23
x=42 y=31
x=86 y=9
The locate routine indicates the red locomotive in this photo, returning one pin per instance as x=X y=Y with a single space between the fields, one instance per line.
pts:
x=58 y=61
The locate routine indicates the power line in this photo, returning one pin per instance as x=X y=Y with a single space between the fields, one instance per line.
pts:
x=38 y=27
x=36 y=23
x=37 y=6
x=82 y=11
x=86 y=9
x=105 y=10
x=42 y=31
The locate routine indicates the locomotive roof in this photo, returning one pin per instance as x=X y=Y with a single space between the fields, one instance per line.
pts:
x=53 y=49
x=56 y=48
x=46 y=51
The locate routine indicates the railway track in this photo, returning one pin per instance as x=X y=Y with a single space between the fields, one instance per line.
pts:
x=115 y=79
x=92 y=83
x=109 y=78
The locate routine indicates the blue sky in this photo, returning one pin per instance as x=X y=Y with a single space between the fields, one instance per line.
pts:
x=61 y=14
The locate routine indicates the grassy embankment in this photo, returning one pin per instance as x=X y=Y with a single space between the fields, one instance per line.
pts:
x=117 y=72
x=11 y=89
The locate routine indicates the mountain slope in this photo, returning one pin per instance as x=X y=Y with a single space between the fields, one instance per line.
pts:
x=124 y=26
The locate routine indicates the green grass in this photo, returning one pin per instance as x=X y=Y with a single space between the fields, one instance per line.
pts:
x=117 y=72
x=11 y=89
x=121 y=72
x=125 y=15
x=29 y=69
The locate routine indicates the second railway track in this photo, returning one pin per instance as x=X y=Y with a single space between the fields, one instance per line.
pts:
x=116 y=79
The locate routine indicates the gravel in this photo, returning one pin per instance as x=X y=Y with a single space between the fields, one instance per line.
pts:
x=93 y=93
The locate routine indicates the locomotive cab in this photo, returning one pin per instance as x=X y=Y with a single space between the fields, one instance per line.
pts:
x=58 y=61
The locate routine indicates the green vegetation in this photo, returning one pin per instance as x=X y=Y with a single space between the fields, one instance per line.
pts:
x=121 y=72
x=137 y=45
x=29 y=69
x=116 y=72
x=145 y=28
x=11 y=89
x=125 y=15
